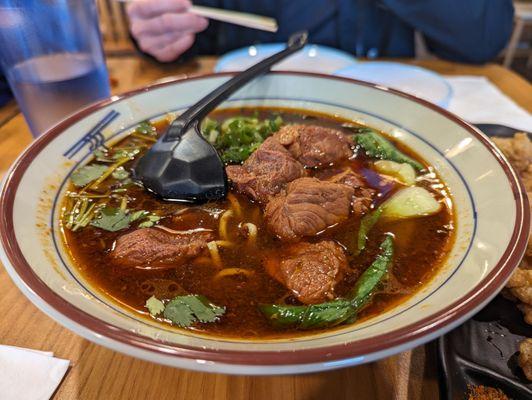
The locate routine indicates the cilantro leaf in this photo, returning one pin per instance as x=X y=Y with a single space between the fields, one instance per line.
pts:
x=154 y=306
x=186 y=310
x=146 y=128
x=125 y=152
x=147 y=219
x=112 y=219
x=85 y=175
x=120 y=173
x=136 y=215
x=150 y=221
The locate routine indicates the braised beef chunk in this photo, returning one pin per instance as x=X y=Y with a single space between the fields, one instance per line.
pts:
x=363 y=196
x=309 y=270
x=307 y=207
x=152 y=248
x=314 y=145
x=266 y=172
x=348 y=177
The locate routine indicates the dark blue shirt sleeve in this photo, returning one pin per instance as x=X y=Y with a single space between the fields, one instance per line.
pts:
x=473 y=31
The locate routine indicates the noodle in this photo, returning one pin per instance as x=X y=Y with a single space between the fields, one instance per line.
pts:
x=187 y=232
x=215 y=255
x=223 y=224
x=252 y=232
x=235 y=204
x=232 y=271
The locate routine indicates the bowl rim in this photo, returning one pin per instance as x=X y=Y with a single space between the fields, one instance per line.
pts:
x=414 y=332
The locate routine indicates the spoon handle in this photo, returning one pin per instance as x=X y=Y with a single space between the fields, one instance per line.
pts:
x=204 y=106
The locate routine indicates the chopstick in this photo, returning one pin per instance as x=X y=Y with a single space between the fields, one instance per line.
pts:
x=236 y=17
x=248 y=20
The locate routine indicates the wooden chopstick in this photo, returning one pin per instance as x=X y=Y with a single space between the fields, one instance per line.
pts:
x=233 y=17
x=236 y=17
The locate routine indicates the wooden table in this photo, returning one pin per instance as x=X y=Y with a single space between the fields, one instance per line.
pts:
x=99 y=373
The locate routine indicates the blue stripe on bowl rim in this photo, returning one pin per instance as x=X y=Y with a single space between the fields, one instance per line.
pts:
x=294 y=99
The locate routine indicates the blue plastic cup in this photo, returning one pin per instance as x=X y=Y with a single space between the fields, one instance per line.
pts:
x=51 y=54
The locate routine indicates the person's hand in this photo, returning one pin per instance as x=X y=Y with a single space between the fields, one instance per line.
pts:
x=164 y=28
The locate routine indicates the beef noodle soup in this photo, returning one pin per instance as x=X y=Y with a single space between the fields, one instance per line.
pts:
x=327 y=223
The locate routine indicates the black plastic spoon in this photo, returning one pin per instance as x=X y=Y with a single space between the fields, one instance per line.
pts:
x=184 y=167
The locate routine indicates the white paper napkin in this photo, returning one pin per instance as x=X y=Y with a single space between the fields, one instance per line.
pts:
x=29 y=374
x=477 y=100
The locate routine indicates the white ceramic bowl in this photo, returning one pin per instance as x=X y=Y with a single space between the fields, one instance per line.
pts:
x=491 y=207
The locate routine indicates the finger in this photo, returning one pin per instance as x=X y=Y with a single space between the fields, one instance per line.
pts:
x=182 y=22
x=174 y=50
x=150 y=43
x=150 y=9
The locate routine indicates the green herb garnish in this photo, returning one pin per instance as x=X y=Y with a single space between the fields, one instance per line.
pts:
x=81 y=214
x=111 y=155
x=150 y=221
x=87 y=174
x=115 y=219
x=112 y=219
x=154 y=306
x=377 y=146
x=146 y=128
x=120 y=174
x=147 y=218
x=237 y=138
x=186 y=310
x=338 y=311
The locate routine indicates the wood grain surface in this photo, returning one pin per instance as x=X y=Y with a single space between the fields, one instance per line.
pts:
x=99 y=373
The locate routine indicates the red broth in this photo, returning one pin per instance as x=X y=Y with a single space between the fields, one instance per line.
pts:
x=421 y=246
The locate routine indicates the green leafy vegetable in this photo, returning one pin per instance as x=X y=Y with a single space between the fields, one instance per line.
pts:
x=376 y=146
x=338 y=311
x=411 y=202
x=366 y=224
x=403 y=172
x=370 y=278
x=236 y=138
x=87 y=174
x=112 y=219
x=311 y=316
x=154 y=306
x=186 y=310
